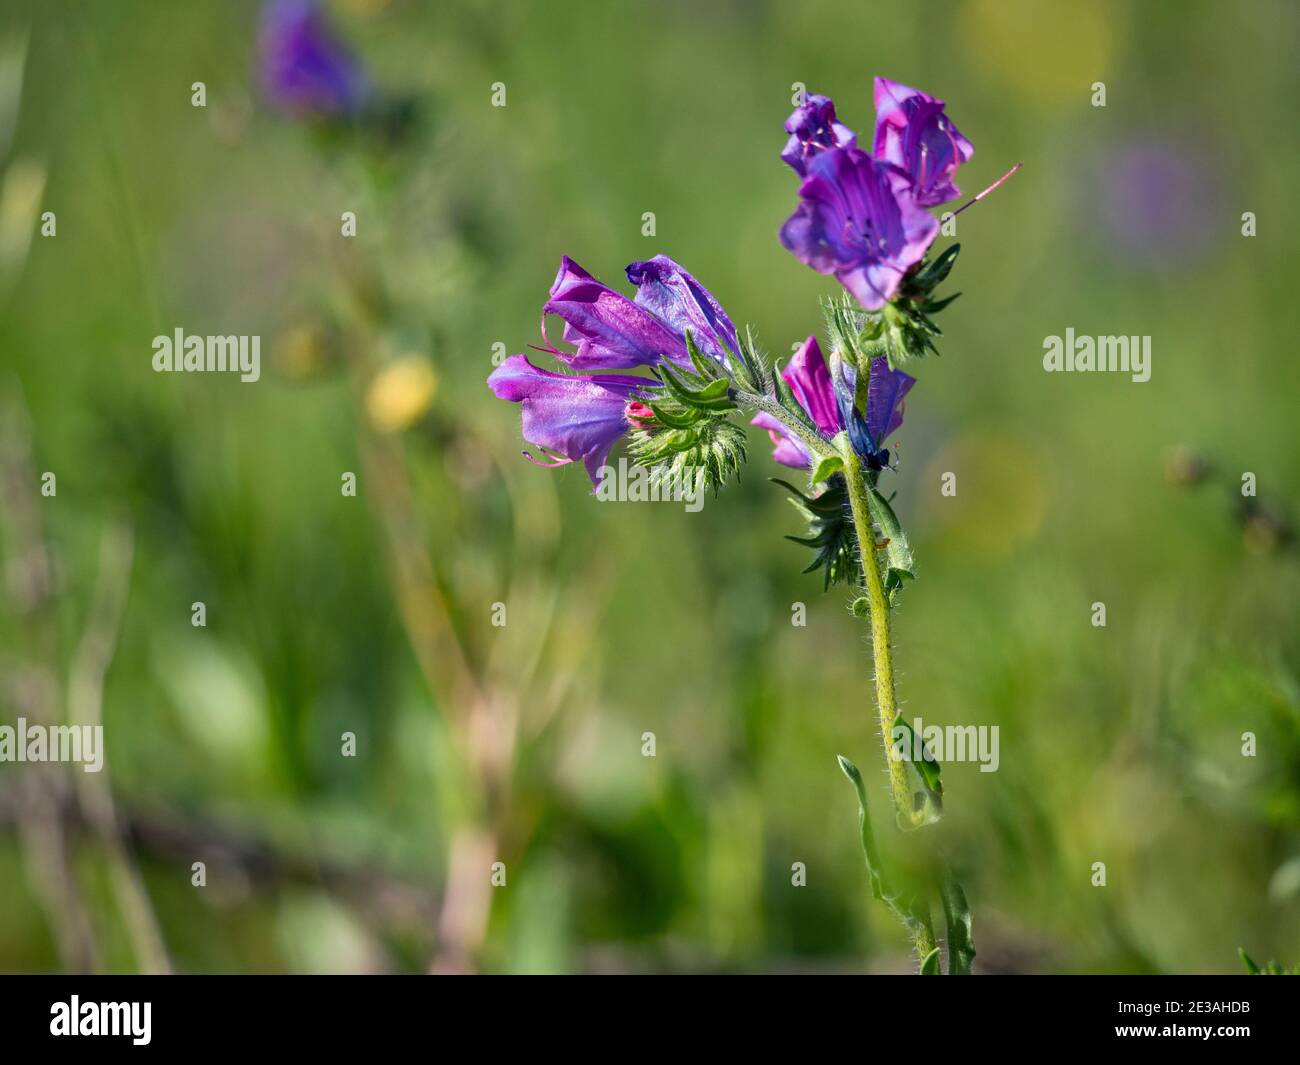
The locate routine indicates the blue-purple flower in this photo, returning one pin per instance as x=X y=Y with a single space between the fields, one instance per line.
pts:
x=829 y=403
x=859 y=221
x=862 y=215
x=579 y=417
x=813 y=128
x=305 y=70
x=914 y=133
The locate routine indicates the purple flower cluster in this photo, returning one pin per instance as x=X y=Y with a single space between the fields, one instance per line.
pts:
x=862 y=216
x=579 y=417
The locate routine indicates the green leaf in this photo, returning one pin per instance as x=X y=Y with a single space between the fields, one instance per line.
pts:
x=914 y=916
x=826 y=466
x=956 y=913
x=899 y=564
x=930 y=965
x=928 y=769
x=864 y=827
x=1273 y=968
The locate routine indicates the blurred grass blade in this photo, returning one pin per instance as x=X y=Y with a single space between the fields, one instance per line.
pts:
x=956 y=913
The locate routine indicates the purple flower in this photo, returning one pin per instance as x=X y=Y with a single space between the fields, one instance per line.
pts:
x=677 y=299
x=914 y=134
x=305 y=70
x=825 y=403
x=608 y=329
x=579 y=417
x=813 y=129
x=859 y=221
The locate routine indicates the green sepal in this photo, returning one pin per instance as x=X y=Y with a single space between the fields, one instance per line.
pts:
x=935 y=272
x=711 y=395
x=830 y=530
x=707 y=369
x=748 y=365
x=902 y=329
x=675 y=419
x=712 y=444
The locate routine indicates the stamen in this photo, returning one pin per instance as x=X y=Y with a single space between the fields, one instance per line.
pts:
x=988 y=190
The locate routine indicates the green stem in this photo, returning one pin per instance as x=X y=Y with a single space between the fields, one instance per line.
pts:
x=882 y=650
x=815 y=443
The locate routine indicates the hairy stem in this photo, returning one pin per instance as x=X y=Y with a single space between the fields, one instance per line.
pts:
x=882 y=650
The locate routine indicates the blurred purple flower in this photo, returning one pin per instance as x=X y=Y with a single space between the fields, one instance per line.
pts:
x=1156 y=198
x=813 y=128
x=811 y=382
x=305 y=69
x=859 y=221
x=579 y=417
x=914 y=134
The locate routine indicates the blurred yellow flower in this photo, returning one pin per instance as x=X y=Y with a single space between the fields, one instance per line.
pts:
x=1049 y=53
x=1000 y=493
x=20 y=202
x=302 y=351
x=400 y=393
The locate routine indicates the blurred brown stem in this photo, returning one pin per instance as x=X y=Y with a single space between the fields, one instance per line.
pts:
x=86 y=707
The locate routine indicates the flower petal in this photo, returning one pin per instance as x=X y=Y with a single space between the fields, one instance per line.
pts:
x=813 y=128
x=810 y=381
x=674 y=297
x=788 y=450
x=577 y=416
x=914 y=133
x=885 y=395
x=859 y=221
x=608 y=329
